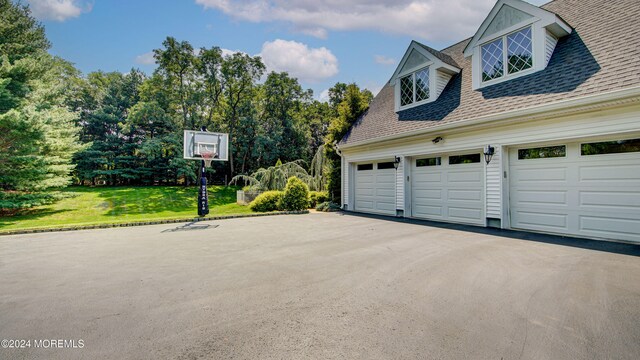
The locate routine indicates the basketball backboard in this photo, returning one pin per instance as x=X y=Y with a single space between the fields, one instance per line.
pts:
x=199 y=145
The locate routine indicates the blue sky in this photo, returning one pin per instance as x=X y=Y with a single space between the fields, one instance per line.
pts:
x=320 y=42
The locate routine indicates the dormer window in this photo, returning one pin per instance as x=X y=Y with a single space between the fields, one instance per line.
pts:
x=421 y=76
x=516 y=39
x=509 y=54
x=414 y=87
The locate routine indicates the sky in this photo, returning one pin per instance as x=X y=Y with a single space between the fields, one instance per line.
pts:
x=318 y=42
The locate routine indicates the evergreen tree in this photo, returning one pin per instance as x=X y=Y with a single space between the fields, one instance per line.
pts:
x=38 y=136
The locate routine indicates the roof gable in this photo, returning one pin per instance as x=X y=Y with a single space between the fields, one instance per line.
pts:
x=414 y=60
x=418 y=55
x=507 y=15
x=505 y=18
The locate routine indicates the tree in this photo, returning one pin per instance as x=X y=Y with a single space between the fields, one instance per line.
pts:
x=21 y=36
x=282 y=132
x=38 y=136
x=239 y=73
x=111 y=154
x=177 y=64
x=209 y=68
x=354 y=104
x=336 y=95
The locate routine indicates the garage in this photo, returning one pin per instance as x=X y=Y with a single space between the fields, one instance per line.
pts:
x=448 y=188
x=589 y=189
x=375 y=188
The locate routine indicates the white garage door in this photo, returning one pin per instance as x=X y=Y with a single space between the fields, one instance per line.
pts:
x=375 y=189
x=586 y=189
x=448 y=188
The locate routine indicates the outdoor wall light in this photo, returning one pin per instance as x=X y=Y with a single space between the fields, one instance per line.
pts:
x=396 y=162
x=437 y=140
x=488 y=153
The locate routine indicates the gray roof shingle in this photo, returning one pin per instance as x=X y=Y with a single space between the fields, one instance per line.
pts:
x=602 y=54
x=440 y=55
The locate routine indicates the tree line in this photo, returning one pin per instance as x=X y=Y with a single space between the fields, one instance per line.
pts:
x=58 y=126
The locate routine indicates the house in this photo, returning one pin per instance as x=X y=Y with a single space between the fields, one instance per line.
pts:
x=531 y=124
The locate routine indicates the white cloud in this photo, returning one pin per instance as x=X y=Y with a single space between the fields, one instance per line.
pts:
x=58 y=10
x=324 y=96
x=300 y=61
x=227 y=52
x=381 y=59
x=433 y=20
x=146 y=59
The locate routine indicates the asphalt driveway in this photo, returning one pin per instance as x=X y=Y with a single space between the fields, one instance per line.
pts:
x=318 y=286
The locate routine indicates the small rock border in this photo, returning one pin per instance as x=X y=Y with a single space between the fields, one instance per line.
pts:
x=151 y=222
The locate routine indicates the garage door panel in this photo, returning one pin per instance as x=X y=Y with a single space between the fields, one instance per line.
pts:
x=535 y=175
x=429 y=210
x=464 y=195
x=623 y=201
x=540 y=197
x=375 y=190
x=433 y=194
x=448 y=192
x=583 y=195
x=611 y=174
x=386 y=206
x=388 y=178
x=424 y=179
x=465 y=214
x=541 y=220
x=473 y=176
x=363 y=192
x=605 y=226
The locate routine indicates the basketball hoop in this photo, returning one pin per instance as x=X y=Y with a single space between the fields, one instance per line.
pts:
x=207 y=157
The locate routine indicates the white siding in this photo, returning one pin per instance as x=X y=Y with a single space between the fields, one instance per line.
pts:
x=400 y=185
x=345 y=181
x=442 y=81
x=595 y=124
x=494 y=182
x=550 y=45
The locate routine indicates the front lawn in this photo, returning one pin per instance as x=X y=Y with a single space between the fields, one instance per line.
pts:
x=87 y=206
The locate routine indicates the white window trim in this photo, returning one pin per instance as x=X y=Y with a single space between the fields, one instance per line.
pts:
x=538 y=33
x=505 y=66
x=413 y=72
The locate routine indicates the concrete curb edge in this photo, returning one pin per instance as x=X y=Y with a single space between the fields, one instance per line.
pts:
x=150 y=222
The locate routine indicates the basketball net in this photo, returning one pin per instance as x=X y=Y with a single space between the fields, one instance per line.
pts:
x=207 y=157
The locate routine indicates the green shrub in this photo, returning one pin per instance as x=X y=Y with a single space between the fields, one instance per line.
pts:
x=317 y=197
x=267 y=201
x=328 y=206
x=296 y=195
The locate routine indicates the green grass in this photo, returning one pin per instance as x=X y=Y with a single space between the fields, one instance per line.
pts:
x=90 y=206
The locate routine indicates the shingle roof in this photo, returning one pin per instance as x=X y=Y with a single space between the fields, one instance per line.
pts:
x=602 y=54
x=440 y=55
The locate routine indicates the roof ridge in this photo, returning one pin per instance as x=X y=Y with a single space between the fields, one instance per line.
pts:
x=458 y=43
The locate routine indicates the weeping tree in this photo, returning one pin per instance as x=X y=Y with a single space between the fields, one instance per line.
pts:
x=275 y=177
x=320 y=166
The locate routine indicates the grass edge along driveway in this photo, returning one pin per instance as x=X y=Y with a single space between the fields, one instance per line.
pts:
x=102 y=205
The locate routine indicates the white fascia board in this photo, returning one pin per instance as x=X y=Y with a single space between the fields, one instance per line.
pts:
x=559 y=28
x=451 y=70
x=544 y=109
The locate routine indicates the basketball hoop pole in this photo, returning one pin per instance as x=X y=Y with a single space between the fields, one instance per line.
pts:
x=203 y=198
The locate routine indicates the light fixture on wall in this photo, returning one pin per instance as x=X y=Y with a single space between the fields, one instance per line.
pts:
x=488 y=153
x=437 y=140
x=396 y=162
